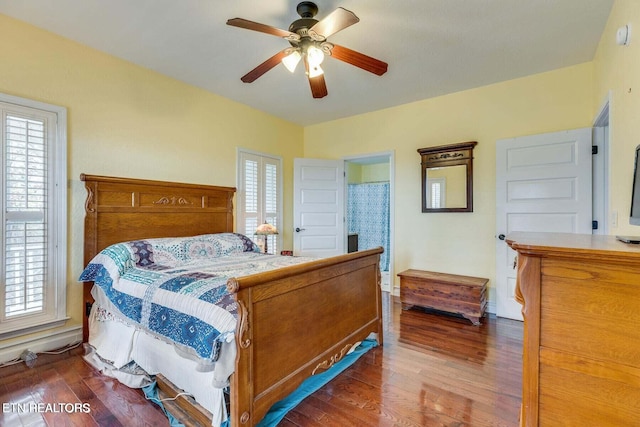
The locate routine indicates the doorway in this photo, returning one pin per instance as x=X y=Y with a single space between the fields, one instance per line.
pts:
x=604 y=219
x=369 y=207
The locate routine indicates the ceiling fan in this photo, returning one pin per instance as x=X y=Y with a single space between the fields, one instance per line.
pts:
x=308 y=39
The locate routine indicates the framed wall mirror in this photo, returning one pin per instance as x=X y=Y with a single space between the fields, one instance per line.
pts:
x=447 y=177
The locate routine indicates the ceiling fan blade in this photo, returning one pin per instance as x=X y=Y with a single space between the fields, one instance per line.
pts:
x=336 y=21
x=256 y=26
x=317 y=83
x=252 y=75
x=318 y=86
x=360 y=60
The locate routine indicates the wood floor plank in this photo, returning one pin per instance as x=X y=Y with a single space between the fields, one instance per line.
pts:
x=439 y=370
x=434 y=370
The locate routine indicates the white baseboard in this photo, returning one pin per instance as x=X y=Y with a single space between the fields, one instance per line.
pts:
x=491 y=307
x=42 y=342
x=396 y=291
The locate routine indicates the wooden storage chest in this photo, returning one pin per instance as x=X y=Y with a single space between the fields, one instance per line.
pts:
x=452 y=293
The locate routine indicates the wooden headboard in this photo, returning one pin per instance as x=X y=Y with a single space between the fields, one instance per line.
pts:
x=123 y=209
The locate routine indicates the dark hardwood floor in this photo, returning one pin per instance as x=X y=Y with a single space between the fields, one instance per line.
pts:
x=433 y=370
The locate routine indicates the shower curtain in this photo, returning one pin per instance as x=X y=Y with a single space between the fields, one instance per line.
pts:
x=368 y=216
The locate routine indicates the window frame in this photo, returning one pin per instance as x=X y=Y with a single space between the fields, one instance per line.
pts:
x=54 y=313
x=241 y=155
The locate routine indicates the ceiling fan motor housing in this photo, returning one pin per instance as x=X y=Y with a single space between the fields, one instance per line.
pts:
x=302 y=24
x=307 y=10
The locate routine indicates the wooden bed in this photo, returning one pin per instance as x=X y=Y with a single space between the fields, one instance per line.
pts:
x=321 y=307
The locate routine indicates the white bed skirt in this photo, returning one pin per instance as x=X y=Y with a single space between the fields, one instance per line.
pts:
x=121 y=343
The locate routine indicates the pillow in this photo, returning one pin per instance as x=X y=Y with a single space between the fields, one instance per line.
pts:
x=217 y=245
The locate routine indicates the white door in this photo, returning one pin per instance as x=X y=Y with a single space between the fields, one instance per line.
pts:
x=318 y=207
x=543 y=183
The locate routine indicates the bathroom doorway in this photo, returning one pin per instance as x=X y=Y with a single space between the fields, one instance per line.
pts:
x=369 y=207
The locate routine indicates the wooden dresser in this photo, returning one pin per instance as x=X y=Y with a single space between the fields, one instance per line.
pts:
x=581 y=307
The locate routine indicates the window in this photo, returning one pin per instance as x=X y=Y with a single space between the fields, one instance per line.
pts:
x=259 y=197
x=435 y=198
x=33 y=189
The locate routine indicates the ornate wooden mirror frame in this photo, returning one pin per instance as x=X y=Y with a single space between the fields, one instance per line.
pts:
x=447 y=177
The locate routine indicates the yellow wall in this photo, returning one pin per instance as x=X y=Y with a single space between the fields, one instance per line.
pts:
x=124 y=120
x=617 y=70
x=359 y=173
x=375 y=172
x=461 y=243
x=354 y=173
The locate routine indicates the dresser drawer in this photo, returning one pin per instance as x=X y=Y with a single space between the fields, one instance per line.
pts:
x=591 y=310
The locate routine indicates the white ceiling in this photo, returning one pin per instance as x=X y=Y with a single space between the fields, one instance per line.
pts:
x=433 y=47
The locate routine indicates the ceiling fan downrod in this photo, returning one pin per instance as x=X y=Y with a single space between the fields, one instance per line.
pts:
x=307 y=9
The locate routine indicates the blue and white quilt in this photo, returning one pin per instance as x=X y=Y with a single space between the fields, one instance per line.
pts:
x=175 y=288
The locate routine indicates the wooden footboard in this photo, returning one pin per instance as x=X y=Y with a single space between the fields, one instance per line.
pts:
x=297 y=321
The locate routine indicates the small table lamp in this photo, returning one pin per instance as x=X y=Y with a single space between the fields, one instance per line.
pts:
x=265 y=230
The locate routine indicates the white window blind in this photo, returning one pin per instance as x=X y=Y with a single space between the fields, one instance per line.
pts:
x=33 y=186
x=25 y=215
x=259 y=196
x=436 y=194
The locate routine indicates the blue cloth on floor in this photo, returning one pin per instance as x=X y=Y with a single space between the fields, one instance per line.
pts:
x=280 y=409
x=312 y=384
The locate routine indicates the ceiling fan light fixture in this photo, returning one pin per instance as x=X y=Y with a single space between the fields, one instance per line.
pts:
x=315 y=56
x=291 y=61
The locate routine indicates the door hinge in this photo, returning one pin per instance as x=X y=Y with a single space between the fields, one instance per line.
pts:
x=594 y=225
x=594 y=149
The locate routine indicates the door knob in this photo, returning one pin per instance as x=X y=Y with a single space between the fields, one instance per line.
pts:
x=298 y=229
x=501 y=236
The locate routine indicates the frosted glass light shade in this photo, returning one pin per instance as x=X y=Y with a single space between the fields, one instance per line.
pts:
x=315 y=56
x=291 y=61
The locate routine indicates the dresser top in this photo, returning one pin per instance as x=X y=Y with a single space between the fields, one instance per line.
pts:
x=573 y=245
